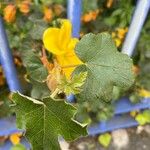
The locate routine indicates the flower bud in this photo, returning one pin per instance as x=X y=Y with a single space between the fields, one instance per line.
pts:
x=10 y=13
x=24 y=6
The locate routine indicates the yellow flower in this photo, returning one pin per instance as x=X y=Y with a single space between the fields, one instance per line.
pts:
x=117 y=42
x=144 y=93
x=10 y=13
x=90 y=16
x=122 y=32
x=24 y=6
x=113 y=34
x=60 y=42
x=48 y=14
x=15 y=138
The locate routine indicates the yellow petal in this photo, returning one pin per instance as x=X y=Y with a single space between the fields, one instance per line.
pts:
x=15 y=138
x=68 y=62
x=144 y=93
x=72 y=44
x=50 y=40
x=118 y=42
x=65 y=34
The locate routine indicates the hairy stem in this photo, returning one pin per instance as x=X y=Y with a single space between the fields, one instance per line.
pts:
x=54 y=93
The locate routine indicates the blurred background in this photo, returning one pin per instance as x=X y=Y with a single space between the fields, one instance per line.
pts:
x=25 y=22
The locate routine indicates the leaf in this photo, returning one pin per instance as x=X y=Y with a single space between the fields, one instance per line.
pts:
x=106 y=67
x=45 y=120
x=140 y=119
x=146 y=114
x=105 y=139
x=93 y=5
x=36 y=91
x=34 y=66
x=38 y=29
x=54 y=77
x=74 y=85
x=18 y=147
x=143 y=117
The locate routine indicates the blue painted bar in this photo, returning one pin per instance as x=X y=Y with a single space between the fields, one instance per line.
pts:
x=6 y=60
x=117 y=122
x=124 y=105
x=74 y=14
x=8 y=126
x=139 y=17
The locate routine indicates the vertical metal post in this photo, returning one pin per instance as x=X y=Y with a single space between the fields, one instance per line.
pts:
x=6 y=60
x=135 y=28
x=74 y=14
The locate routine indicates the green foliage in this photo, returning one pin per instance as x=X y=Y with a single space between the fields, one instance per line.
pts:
x=90 y=6
x=104 y=139
x=143 y=118
x=106 y=67
x=121 y=15
x=39 y=26
x=36 y=91
x=34 y=66
x=74 y=85
x=18 y=147
x=45 y=120
x=4 y=103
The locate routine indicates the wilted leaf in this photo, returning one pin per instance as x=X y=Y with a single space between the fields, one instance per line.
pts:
x=45 y=120
x=53 y=78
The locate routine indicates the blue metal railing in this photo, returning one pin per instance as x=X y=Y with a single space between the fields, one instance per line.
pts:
x=6 y=61
x=136 y=25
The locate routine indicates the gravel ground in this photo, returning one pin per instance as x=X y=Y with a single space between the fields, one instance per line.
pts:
x=137 y=138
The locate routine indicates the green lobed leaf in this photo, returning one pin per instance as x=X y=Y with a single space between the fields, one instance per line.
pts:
x=74 y=85
x=106 y=67
x=105 y=139
x=140 y=119
x=146 y=114
x=36 y=91
x=143 y=117
x=18 y=147
x=34 y=66
x=45 y=120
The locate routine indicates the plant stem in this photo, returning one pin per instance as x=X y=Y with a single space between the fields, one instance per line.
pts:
x=54 y=93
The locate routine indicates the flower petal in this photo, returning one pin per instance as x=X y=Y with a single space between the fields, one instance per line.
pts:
x=72 y=44
x=68 y=62
x=50 y=40
x=65 y=34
